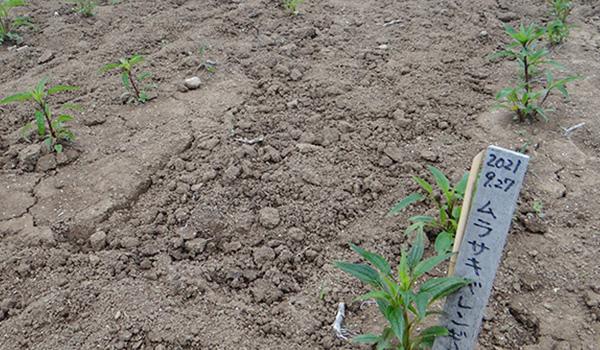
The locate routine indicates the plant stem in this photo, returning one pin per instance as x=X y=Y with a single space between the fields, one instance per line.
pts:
x=527 y=82
x=135 y=88
x=48 y=119
x=406 y=340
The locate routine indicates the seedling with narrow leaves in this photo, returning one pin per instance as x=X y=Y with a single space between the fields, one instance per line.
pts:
x=445 y=199
x=558 y=29
x=536 y=83
x=8 y=24
x=51 y=129
x=292 y=6
x=84 y=7
x=402 y=300
x=132 y=82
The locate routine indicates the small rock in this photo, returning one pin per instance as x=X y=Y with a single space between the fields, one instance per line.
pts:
x=484 y=34
x=196 y=246
x=383 y=47
x=46 y=56
x=94 y=259
x=46 y=162
x=507 y=16
x=592 y=299
x=129 y=242
x=296 y=234
x=394 y=152
x=98 y=240
x=29 y=156
x=263 y=255
x=429 y=155
x=533 y=223
x=192 y=83
x=269 y=217
x=295 y=74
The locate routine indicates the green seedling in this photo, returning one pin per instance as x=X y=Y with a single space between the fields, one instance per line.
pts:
x=204 y=63
x=403 y=302
x=524 y=99
x=447 y=201
x=8 y=25
x=292 y=6
x=132 y=82
x=84 y=7
x=558 y=29
x=538 y=208
x=51 y=129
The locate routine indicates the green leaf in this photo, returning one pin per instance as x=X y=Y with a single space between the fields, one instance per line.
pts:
x=40 y=122
x=443 y=242
x=426 y=219
x=426 y=265
x=110 y=66
x=366 y=339
x=373 y=295
x=135 y=59
x=19 y=97
x=440 y=179
x=439 y=287
x=416 y=252
x=60 y=88
x=395 y=317
x=41 y=86
x=426 y=186
x=377 y=260
x=428 y=335
x=58 y=148
x=421 y=303
x=461 y=186
x=125 y=80
x=363 y=272
x=404 y=271
x=63 y=118
x=411 y=199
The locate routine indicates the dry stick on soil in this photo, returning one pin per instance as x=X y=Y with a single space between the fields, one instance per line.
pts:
x=251 y=141
x=568 y=131
x=390 y=23
x=464 y=214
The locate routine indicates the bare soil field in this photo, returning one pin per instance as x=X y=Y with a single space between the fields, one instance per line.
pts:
x=160 y=229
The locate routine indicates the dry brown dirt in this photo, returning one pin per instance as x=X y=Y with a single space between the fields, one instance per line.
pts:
x=160 y=230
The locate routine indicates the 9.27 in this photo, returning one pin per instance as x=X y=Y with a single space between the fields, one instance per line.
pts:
x=494 y=181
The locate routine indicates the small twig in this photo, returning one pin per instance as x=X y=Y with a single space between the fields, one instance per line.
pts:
x=338 y=328
x=568 y=131
x=391 y=23
x=251 y=141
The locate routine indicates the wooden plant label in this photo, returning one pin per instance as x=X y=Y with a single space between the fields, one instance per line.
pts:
x=489 y=220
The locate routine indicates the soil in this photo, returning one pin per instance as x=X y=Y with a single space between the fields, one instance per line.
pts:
x=160 y=228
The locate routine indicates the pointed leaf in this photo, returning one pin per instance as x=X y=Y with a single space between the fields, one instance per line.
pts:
x=443 y=242
x=411 y=199
x=363 y=272
x=424 y=184
x=19 y=97
x=416 y=252
x=426 y=265
x=366 y=339
x=377 y=260
x=60 y=88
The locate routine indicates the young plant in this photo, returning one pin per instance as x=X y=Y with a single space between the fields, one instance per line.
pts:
x=402 y=300
x=84 y=7
x=8 y=25
x=524 y=99
x=558 y=29
x=205 y=63
x=51 y=129
x=132 y=82
x=292 y=6
x=447 y=201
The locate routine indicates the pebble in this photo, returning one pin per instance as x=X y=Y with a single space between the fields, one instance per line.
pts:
x=263 y=255
x=269 y=217
x=98 y=240
x=29 y=156
x=192 y=83
x=429 y=155
x=46 y=56
x=46 y=162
